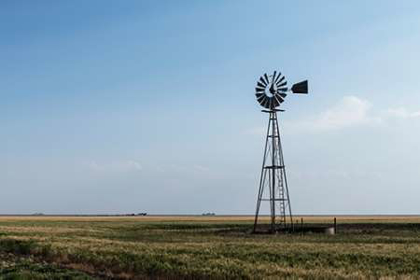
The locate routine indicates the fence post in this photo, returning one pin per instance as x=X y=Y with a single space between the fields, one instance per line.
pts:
x=335 y=225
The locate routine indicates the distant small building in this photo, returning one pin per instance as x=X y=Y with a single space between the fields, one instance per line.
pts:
x=209 y=214
x=38 y=214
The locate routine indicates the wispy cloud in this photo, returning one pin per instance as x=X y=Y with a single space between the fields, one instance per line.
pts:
x=201 y=168
x=115 y=166
x=349 y=111
x=403 y=113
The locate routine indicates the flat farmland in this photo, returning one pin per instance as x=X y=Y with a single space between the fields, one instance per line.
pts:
x=179 y=247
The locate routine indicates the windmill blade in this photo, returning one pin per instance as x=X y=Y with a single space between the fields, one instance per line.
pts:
x=266 y=78
x=259 y=89
x=283 y=95
x=268 y=105
x=274 y=77
x=263 y=81
x=261 y=99
x=261 y=85
x=270 y=102
x=301 y=87
x=278 y=78
x=282 y=89
x=279 y=99
x=281 y=80
x=281 y=84
x=275 y=102
x=260 y=96
x=265 y=102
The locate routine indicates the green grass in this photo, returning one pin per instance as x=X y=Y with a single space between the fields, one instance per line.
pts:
x=199 y=248
x=16 y=266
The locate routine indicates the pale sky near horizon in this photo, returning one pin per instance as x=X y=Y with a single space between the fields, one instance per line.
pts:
x=149 y=106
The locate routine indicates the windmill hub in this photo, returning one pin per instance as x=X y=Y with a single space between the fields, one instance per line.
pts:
x=271 y=92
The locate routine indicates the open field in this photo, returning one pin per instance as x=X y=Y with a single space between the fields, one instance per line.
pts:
x=205 y=247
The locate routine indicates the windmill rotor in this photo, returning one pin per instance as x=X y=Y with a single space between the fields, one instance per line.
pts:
x=270 y=90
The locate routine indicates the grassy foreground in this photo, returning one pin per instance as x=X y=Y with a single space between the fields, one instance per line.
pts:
x=205 y=247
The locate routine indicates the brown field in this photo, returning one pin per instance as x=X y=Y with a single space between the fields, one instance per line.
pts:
x=85 y=247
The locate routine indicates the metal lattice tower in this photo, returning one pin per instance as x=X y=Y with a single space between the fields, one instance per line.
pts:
x=270 y=92
x=273 y=180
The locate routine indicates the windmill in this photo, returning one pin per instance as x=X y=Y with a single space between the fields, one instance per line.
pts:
x=271 y=90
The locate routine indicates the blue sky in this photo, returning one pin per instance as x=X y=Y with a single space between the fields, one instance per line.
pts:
x=132 y=106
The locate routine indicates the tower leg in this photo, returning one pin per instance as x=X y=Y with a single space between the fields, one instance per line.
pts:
x=262 y=179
